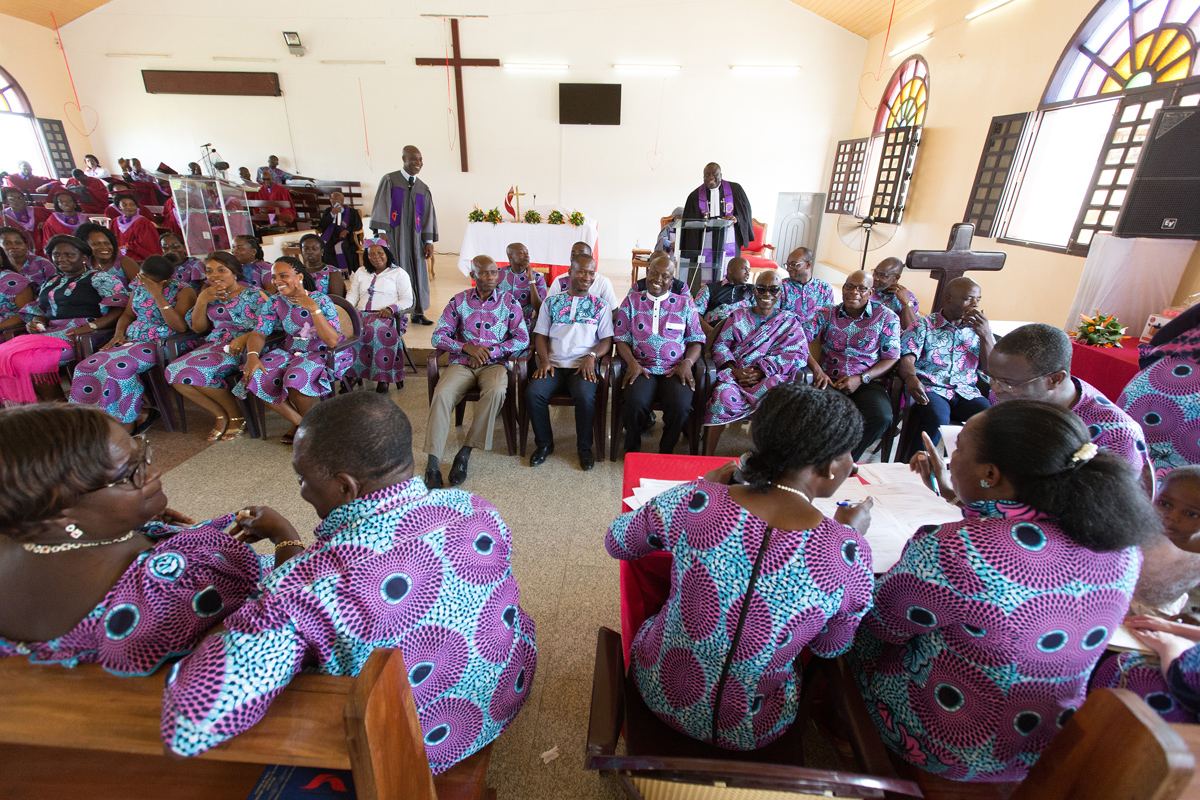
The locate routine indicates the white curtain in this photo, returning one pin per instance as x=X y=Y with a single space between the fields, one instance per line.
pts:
x=1132 y=278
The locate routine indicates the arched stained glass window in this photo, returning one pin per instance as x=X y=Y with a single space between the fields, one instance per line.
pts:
x=11 y=97
x=1128 y=44
x=906 y=97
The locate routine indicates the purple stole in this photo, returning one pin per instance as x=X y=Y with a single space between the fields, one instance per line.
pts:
x=26 y=223
x=72 y=222
x=398 y=206
x=727 y=201
x=123 y=224
x=335 y=228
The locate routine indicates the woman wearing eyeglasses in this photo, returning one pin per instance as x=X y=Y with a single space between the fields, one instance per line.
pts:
x=758 y=348
x=93 y=565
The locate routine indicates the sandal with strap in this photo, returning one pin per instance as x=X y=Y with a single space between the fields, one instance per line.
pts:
x=290 y=436
x=217 y=433
x=231 y=435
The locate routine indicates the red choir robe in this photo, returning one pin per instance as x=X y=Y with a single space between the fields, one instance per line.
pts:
x=171 y=218
x=277 y=193
x=27 y=185
x=58 y=223
x=97 y=194
x=137 y=237
x=112 y=212
x=31 y=226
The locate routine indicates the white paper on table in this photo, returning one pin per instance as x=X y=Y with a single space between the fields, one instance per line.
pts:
x=890 y=474
x=633 y=503
x=649 y=489
x=1122 y=640
x=950 y=439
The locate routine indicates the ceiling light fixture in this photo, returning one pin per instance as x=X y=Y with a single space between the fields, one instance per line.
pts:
x=762 y=69
x=650 y=69
x=537 y=67
x=137 y=55
x=979 y=12
x=241 y=58
x=911 y=45
x=351 y=61
x=292 y=40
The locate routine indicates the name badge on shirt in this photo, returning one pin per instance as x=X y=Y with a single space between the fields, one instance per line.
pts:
x=676 y=326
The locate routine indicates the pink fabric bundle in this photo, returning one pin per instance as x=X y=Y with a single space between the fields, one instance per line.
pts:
x=21 y=359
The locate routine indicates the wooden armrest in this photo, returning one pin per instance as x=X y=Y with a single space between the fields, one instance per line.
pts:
x=432 y=371
x=608 y=698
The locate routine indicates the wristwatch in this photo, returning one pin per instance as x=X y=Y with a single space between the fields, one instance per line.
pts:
x=866 y=377
x=93 y=326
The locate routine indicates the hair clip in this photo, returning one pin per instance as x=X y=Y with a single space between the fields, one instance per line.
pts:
x=1085 y=453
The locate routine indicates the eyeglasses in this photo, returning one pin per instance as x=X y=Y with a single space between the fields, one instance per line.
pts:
x=850 y=287
x=141 y=468
x=794 y=264
x=768 y=289
x=1007 y=387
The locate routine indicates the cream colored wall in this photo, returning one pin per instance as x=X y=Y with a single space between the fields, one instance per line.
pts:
x=31 y=55
x=996 y=64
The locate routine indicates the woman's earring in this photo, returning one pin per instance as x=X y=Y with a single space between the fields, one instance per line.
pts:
x=983 y=482
x=73 y=531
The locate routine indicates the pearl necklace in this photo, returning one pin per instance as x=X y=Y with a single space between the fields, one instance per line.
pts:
x=43 y=549
x=793 y=491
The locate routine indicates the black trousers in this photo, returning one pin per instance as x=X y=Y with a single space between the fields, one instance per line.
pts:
x=676 y=399
x=873 y=403
x=941 y=411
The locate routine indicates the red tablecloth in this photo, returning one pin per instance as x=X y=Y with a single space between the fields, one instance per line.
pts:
x=1106 y=368
x=646 y=582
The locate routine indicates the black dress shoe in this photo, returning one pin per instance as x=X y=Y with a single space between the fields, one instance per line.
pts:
x=381 y=388
x=539 y=456
x=152 y=416
x=649 y=422
x=586 y=460
x=458 y=471
x=433 y=479
x=421 y=319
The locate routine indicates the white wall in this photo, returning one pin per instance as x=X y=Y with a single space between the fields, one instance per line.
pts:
x=771 y=134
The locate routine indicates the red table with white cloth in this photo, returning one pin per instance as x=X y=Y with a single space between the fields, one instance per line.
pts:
x=549 y=245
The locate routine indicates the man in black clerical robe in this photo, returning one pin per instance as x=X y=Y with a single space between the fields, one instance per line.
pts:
x=715 y=198
x=404 y=208
x=337 y=227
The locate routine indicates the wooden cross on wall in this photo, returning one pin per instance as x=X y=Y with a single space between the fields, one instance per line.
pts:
x=458 y=62
x=957 y=258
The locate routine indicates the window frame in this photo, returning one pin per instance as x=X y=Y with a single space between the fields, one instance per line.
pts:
x=849 y=161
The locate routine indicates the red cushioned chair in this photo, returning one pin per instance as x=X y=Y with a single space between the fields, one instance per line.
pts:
x=760 y=254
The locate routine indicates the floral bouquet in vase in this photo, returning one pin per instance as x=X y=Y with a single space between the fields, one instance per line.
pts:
x=494 y=216
x=556 y=217
x=575 y=219
x=1098 y=330
x=532 y=217
x=476 y=215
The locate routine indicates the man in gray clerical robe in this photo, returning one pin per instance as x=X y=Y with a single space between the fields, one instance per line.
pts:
x=404 y=208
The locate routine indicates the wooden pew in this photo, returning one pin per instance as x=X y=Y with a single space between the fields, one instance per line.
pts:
x=85 y=733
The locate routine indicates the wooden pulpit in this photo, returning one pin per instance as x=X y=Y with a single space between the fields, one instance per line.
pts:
x=957 y=258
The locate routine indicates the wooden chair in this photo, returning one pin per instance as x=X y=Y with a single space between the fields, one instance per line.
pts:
x=348 y=320
x=757 y=251
x=662 y=763
x=641 y=258
x=563 y=398
x=508 y=412
x=85 y=733
x=704 y=373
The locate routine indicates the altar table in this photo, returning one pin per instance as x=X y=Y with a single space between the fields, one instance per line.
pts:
x=1109 y=369
x=549 y=245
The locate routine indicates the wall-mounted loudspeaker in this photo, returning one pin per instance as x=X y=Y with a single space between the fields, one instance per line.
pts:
x=1164 y=197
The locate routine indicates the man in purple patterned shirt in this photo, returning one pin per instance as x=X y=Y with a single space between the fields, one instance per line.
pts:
x=892 y=295
x=860 y=343
x=802 y=293
x=480 y=328
x=941 y=356
x=523 y=283
x=659 y=337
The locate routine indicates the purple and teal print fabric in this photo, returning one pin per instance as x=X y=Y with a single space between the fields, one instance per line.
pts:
x=803 y=299
x=496 y=323
x=777 y=345
x=658 y=333
x=209 y=364
x=947 y=355
x=851 y=346
x=300 y=362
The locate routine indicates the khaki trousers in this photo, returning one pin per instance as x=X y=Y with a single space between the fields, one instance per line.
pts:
x=453 y=384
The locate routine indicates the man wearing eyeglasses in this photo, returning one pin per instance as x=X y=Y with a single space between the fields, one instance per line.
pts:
x=941 y=356
x=893 y=296
x=1034 y=363
x=860 y=343
x=802 y=293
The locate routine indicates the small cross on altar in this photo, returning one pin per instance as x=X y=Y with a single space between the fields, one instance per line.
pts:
x=957 y=258
x=517 y=195
x=458 y=62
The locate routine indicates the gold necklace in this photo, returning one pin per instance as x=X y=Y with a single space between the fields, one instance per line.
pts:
x=793 y=491
x=43 y=549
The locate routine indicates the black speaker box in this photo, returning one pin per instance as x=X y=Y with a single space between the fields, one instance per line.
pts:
x=1164 y=197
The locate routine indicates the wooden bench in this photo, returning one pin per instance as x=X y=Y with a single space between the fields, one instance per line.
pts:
x=85 y=733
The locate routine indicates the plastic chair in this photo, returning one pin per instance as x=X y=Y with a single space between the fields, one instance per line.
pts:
x=508 y=412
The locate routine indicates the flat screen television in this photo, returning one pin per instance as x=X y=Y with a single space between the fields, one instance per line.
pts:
x=589 y=104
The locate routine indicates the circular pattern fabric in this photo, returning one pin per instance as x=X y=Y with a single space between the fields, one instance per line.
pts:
x=958 y=704
x=384 y=596
x=450 y=726
x=682 y=677
x=514 y=684
x=699 y=602
x=478 y=553
x=435 y=657
x=495 y=630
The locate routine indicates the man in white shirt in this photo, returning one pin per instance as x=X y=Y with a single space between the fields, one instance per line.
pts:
x=602 y=287
x=94 y=170
x=574 y=331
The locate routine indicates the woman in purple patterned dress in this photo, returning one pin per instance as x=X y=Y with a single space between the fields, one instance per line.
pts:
x=758 y=574
x=96 y=568
x=983 y=635
x=228 y=311
x=188 y=269
x=328 y=278
x=157 y=309
x=249 y=254
x=382 y=292
x=757 y=349
x=106 y=254
x=291 y=378
x=16 y=292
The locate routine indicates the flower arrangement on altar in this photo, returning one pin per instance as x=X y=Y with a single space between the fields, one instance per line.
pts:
x=556 y=217
x=1099 y=330
x=494 y=216
x=575 y=219
x=532 y=217
x=476 y=215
